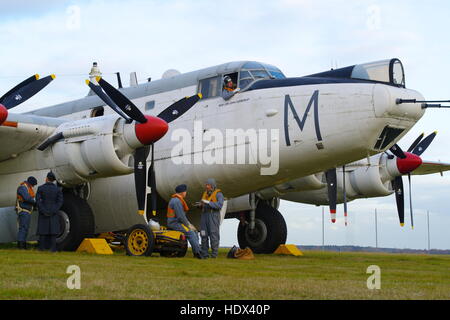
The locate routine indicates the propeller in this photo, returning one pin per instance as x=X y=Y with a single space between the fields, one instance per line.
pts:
x=331 y=178
x=406 y=165
x=126 y=109
x=124 y=104
x=21 y=93
x=397 y=185
x=416 y=142
x=397 y=151
x=25 y=90
x=345 y=195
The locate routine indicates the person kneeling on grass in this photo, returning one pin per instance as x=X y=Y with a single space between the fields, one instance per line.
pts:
x=177 y=220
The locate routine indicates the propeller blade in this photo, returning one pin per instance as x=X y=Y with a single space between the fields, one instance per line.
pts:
x=140 y=177
x=106 y=99
x=331 y=178
x=23 y=93
x=179 y=108
x=410 y=201
x=397 y=151
x=20 y=85
x=424 y=144
x=397 y=185
x=122 y=101
x=345 y=194
x=416 y=142
x=152 y=183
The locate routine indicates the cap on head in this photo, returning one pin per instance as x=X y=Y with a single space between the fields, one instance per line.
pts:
x=51 y=176
x=181 y=188
x=32 y=180
x=226 y=79
x=211 y=182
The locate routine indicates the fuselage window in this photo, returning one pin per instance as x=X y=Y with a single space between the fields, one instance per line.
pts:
x=149 y=105
x=209 y=87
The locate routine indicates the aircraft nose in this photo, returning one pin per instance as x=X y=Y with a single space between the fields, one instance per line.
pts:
x=3 y=114
x=385 y=103
x=151 y=131
x=408 y=164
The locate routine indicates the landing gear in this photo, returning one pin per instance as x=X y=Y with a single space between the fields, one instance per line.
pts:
x=76 y=222
x=269 y=232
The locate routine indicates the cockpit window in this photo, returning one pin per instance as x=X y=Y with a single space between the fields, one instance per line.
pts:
x=209 y=87
x=260 y=74
x=387 y=71
x=398 y=74
x=252 y=71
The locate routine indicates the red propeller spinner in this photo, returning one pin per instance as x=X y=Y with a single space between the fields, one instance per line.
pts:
x=408 y=164
x=3 y=114
x=151 y=131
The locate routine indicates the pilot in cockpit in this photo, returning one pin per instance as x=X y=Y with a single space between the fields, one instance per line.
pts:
x=229 y=88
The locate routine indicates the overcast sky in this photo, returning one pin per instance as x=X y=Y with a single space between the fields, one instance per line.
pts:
x=299 y=36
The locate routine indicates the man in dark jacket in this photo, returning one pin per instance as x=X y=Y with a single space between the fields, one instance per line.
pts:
x=49 y=199
x=24 y=206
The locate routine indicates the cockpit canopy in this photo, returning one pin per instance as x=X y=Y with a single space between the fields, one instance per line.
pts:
x=389 y=72
x=241 y=73
x=252 y=71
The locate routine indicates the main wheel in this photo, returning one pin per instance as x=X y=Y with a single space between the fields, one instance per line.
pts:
x=139 y=241
x=76 y=222
x=270 y=231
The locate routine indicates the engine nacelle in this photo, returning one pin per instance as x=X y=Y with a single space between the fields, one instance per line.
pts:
x=92 y=148
x=367 y=182
x=312 y=182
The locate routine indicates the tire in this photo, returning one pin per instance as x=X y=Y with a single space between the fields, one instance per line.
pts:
x=270 y=231
x=76 y=222
x=139 y=241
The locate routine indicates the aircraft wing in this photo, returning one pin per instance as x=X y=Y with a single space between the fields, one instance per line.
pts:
x=20 y=133
x=430 y=167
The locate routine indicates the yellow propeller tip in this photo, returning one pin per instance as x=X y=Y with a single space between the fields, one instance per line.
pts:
x=141 y=212
x=87 y=82
x=200 y=96
x=402 y=224
x=37 y=76
x=53 y=76
x=154 y=213
x=98 y=78
x=436 y=132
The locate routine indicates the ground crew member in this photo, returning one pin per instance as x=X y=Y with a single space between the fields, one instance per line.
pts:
x=177 y=220
x=24 y=206
x=49 y=199
x=229 y=89
x=212 y=202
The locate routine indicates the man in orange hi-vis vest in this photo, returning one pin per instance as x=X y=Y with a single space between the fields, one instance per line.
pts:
x=211 y=203
x=24 y=205
x=177 y=220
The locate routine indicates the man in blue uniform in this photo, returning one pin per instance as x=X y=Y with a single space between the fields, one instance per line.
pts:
x=24 y=205
x=49 y=199
x=177 y=220
x=211 y=203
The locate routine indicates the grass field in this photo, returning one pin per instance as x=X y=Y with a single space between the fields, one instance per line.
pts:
x=316 y=275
